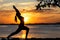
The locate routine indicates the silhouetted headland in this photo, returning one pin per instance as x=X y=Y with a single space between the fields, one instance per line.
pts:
x=43 y=24
x=58 y=23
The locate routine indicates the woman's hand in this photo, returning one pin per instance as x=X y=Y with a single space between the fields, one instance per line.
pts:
x=14 y=6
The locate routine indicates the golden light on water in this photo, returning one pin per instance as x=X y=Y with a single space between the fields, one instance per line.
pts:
x=23 y=34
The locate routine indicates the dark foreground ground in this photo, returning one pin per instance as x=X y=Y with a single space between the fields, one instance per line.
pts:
x=31 y=39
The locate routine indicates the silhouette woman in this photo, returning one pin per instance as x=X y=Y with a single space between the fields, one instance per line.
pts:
x=21 y=25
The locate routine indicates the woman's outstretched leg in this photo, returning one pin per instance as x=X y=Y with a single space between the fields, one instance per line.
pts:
x=17 y=31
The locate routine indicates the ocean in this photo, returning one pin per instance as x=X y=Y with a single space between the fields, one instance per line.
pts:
x=36 y=31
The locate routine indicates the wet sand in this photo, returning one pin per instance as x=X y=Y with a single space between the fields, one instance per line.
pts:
x=29 y=38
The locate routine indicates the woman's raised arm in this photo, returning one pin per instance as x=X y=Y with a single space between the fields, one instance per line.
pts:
x=17 y=11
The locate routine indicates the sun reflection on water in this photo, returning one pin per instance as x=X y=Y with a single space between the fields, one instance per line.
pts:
x=24 y=34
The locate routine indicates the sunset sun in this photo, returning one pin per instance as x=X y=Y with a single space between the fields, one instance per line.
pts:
x=26 y=18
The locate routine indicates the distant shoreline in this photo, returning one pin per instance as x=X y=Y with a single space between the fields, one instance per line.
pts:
x=44 y=24
x=35 y=24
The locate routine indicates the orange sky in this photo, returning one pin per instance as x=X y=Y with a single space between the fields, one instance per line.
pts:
x=31 y=16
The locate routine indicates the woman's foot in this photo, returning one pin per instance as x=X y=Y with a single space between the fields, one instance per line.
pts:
x=7 y=38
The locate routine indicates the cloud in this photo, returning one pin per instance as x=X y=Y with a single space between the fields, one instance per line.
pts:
x=28 y=3
x=6 y=6
x=1 y=0
x=25 y=3
x=19 y=5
